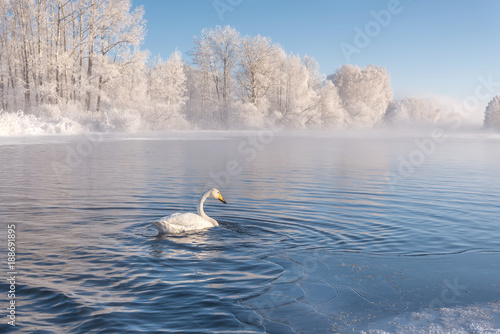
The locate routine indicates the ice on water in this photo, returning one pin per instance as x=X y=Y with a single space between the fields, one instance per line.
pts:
x=320 y=292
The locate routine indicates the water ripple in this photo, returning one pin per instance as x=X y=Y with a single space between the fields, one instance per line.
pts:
x=313 y=239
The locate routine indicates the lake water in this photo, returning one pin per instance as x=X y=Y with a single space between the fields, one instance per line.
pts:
x=321 y=234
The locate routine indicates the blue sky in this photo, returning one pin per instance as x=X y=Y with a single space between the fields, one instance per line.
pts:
x=430 y=48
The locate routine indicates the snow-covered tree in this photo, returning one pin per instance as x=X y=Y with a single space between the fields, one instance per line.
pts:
x=167 y=90
x=257 y=70
x=316 y=78
x=175 y=87
x=85 y=55
x=413 y=110
x=293 y=101
x=119 y=33
x=65 y=51
x=201 y=103
x=128 y=86
x=256 y=75
x=330 y=109
x=365 y=93
x=492 y=113
x=216 y=53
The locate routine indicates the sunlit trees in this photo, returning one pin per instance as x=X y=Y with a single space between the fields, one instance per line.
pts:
x=85 y=55
x=167 y=91
x=257 y=70
x=4 y=56
x=128 y=85
x=216 y=53
x=120 y=31
x=200 y=103
x=365 y=93
x=293 y=100
x=60 y=51
x=255 y=76
x=175 y=88
x=330 y=110
x=492 y=114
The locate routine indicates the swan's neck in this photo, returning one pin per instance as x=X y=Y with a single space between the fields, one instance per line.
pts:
x=202 y=213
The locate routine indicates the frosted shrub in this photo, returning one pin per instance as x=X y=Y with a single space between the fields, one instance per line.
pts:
x=414 y=110
x=116 y=120
x=251 y=116
x=360 y=115
x=19 y=123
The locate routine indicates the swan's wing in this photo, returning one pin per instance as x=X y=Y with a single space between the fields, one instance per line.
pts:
x=181 y=222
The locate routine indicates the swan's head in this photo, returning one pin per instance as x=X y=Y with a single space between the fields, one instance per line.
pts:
x=214 y=193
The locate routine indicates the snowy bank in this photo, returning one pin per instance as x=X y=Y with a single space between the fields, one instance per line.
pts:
x=48 y=121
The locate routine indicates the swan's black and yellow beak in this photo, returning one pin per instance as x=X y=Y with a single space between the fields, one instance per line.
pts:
x=221 y=199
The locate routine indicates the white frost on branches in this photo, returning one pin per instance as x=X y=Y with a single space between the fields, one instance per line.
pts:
x=167 y=93
x=77 y=64
x=365 y=93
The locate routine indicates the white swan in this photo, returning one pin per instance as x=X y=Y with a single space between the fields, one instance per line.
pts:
x=182 y=222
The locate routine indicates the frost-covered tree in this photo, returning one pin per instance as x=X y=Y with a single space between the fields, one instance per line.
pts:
x=492 y=113
x=294 y=100
x=413 y=110
x=365 y=93
x=318 y=104
x=316 y=78
x=130 y=91
x=201 y=102
x=257 y=71
x=66 y=51
x=84 y=55
x=175 y=88
x=256 y=75
x=216 y=53
x=120 y=30
x=330 y=109
x=4 y=56
x=168 y=82
x=167 y=90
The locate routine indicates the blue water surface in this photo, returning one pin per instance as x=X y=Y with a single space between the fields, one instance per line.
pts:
x=322 y=233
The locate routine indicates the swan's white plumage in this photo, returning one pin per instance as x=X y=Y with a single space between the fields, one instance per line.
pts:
x=182 y=222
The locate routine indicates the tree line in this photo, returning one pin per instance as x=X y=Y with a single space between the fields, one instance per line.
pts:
x=56 y=51
x=85 y=55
